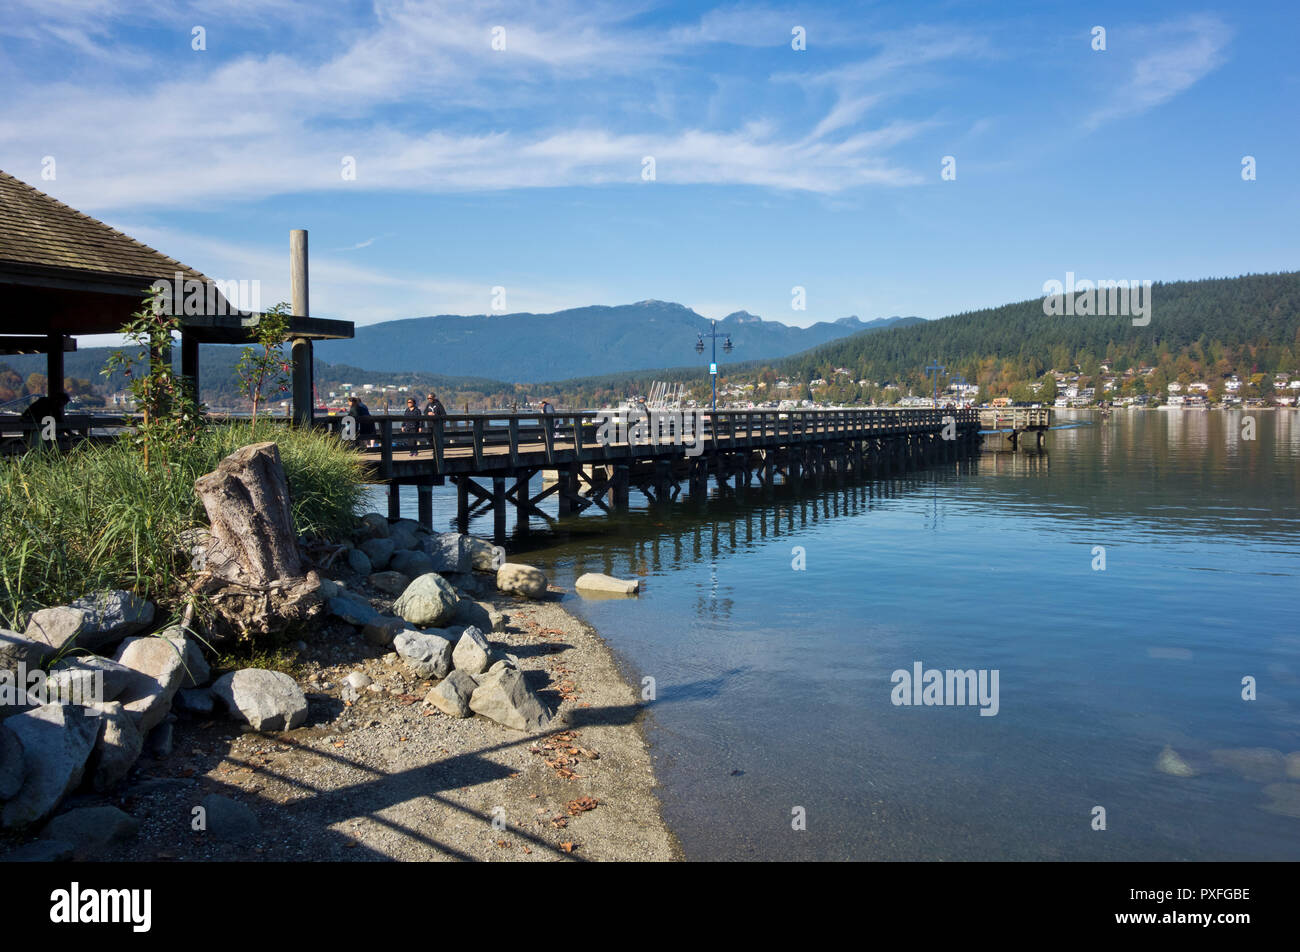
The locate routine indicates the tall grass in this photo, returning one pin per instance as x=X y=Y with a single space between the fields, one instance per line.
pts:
x=93 y=518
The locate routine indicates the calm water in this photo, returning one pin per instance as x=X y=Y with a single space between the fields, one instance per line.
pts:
x=773 y=684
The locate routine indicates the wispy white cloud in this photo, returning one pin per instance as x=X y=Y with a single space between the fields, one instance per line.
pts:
x=1165 y=61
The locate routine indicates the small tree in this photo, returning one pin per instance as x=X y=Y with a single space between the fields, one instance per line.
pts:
x=263 y=367
x=172 y=414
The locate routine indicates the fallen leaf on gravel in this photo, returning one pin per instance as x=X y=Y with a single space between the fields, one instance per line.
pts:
x=559 y=822
x=527 y=850
x=401 y=738
x=501 y=842
x=339 y=743
x=582 y=805
x=567 y=847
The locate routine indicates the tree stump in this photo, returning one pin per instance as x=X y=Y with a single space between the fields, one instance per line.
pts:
x=255 y=577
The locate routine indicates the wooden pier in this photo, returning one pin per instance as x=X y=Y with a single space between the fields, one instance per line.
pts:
x=1009 y=425
x=492 y=459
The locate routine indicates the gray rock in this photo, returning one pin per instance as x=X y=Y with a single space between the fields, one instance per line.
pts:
x=374 y=526
x=359 y=562
x=473 y=614
x=149 y=698
x=427 y=655
x=196 y=701
x=57 y=629
x=379 y=551
x=112 y=616
x=394 y=583
x=16 y=649
x=411 y=563
x=267 y=700
x=383 y=630
x=91 y=829
x=329 y=588
x=506 y=698
x=502 y=659
x=11 y=764
x=448 y=553
x=118 y=744
x=472 y=652
x=196 y=667
x=472 y=584
x=353 y=610
x=41 y=851
x=358 y=680
x=402 y=536
x=519 y=579
x=78 y=674
x=229 y=820
x=57 y=740
x=452 y=694
x=606 y=584
x=161 y=741
x=482 y=554
x=428 y=602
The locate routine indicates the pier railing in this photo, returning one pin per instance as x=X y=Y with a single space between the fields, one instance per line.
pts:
x=471 y=442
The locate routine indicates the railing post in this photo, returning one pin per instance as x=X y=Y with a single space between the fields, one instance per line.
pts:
x=386 y=447
x=478 y=442
x=514 y=440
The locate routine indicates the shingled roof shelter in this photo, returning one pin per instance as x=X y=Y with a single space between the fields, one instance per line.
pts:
x=63 y=274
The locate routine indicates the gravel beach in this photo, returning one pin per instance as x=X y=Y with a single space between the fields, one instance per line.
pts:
x=389 y=777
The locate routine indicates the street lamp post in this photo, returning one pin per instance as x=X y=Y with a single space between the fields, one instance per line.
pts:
x=713 y=364
x=937 y=369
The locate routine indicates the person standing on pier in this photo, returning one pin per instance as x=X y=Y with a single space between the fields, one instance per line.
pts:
x=433 y=408
x=411 y=424
x=365 y=426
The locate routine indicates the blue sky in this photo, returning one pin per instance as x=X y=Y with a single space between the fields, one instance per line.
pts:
x=774 y=168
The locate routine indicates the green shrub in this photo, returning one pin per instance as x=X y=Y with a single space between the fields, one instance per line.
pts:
x=93 y=518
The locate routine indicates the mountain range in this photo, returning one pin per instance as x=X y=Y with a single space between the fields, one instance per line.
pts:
x=578 y=342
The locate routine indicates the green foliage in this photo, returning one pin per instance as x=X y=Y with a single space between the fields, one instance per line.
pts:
x=263 y=367
x=172 y=417
x=95 y=518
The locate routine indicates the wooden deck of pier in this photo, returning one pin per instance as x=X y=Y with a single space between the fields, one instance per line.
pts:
x=492 y=458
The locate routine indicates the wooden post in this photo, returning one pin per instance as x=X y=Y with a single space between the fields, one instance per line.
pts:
x=521 y=501
x=54 y=373
x=425 y=503
x=190 y=360
x=394 y=502
x=498 y=509
x=462 y=505
x=301 y=350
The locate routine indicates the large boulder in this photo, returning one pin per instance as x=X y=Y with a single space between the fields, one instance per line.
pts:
x=448 y=552
x=427 y=655
x=353 y=609
x=402 y=536
x=111 y=616
x=506 y=698
x=379 y=551
x=452 y=694
x=606 y=584
x=91 y=830
x=373 y=526
x=11 y=764
x=359 y=562
x=117 y=747
x=84 y=676
x=267 y=700
x=473 y=614
x=57 y=740
x=16 y=649
x=160 y=662
x=516 y=578
x=482 y=554
x=383 y=630
x=473 y=653
x=428 y=602
x=196 y=667
x=56 y=629
x=394 y=583
x=412 y=563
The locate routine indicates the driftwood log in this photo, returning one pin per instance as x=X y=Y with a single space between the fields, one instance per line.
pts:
x=255 y=579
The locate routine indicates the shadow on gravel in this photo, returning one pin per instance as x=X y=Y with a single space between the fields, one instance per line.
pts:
x=324 y=808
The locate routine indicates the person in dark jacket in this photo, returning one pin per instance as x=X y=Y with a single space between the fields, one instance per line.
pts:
x=433 y=406
x=361 y=413
x=411 y=424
